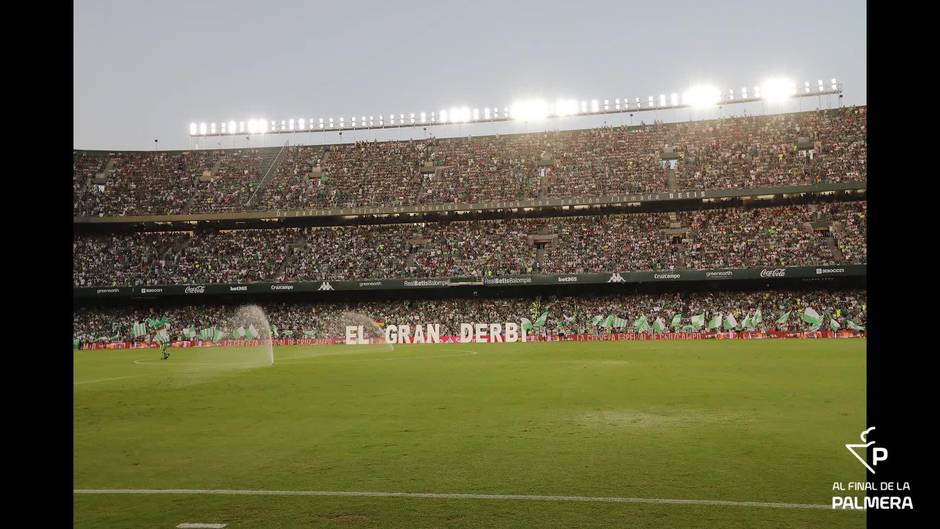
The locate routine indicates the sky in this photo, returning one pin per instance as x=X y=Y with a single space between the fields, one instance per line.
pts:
x=145 y=70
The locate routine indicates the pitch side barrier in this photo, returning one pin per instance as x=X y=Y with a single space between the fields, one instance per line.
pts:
x=745 y=335
x=326 y=286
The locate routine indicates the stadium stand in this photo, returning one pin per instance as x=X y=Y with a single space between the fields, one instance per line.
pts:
x=318 y=320
x=738 y=152
x=811 y=234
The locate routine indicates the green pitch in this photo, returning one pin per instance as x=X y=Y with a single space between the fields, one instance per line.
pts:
x=744 y=421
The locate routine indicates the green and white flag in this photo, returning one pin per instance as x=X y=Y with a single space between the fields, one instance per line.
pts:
x=833 y=324
x=162 y=336
x=190 y=333
x=783 y=318
x=526 y=324
x=289 y=333
x=676 y=321
x=540 y=322
x=640 y=323
x=217 y=334
x=812 y=317
x=730 y=322
x=854 y=326
x=620 y=323
x=310 y=334
x=139 y=330
x=238 y=333
x=698 y=321
x=757 y=318
x=608 y=321
x=746 y=324
x=75 y=343
x=251 y=333
x=274 y=331
x=596 y=320
x=715 y=321
x=659 y=325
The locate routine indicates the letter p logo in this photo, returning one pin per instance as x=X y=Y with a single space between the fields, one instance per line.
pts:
x=878 y=454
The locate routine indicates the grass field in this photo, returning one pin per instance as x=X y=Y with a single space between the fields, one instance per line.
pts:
x=744 y=421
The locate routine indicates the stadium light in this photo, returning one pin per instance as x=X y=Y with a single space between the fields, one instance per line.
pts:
x=529 y=110
x=566 y=107
x=778 y=89
x=701 y=96
x=773 y=90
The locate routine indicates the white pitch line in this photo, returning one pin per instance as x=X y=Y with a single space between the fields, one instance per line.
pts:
x=456 y=496
x=103 y=379
x=190 y=525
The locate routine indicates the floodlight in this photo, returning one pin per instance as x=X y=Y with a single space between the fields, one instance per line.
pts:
x=583 y=106
x=778 y=89
x=193 y=129
x=476 y=114
x=486 y=113
x=212 y=128
x=606 y=105
x=744 y=92
x=566 y=107
x=834 y=84
x=241 y=126
x=263 y=126
x=300 y=124
x=529 y=110
x=806 y=87
x=617 y=103
x=662 y=100
x=649 y=102
x=674 y=99
x=222 y=127
x=232 y=127
x=594 y=105
x=757 y=92
x=443 y=116
x=273 y=126
x=701 y=96
x=423 y=117
x=290 y=124
x=731 y=94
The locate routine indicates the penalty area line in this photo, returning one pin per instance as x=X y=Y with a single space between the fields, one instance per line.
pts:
x=457 y=496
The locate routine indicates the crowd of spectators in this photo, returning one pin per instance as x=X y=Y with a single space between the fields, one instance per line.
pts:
x=571 y=314
x=735 y=152
x=736 y=237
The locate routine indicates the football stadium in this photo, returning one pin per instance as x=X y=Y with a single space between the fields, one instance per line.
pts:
x=522 y=330
x=625 y=311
